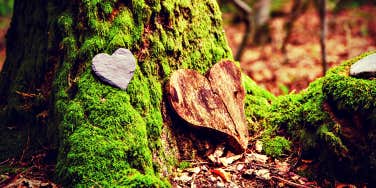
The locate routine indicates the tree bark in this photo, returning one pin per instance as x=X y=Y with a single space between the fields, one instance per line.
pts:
x=105 y=136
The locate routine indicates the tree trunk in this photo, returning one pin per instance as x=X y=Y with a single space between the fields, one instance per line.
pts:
x=103 y=135
x=107 y=136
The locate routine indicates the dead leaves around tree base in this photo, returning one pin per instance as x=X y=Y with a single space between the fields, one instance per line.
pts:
x=215 y=101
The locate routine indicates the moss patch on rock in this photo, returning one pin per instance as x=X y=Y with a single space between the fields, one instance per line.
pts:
x=333 y=118
x=352 y=102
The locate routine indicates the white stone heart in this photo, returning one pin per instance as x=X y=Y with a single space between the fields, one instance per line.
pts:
x=116 y=69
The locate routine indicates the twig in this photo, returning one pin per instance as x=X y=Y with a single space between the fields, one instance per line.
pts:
x=249 y=30
x=26 y=95
x=26 y=147
x=299 y=157
x=199 y=163
x=3 y=162
x=242 y=6
x=290 y=182
x=322 y=6
x=297 y=10
x=347 y=28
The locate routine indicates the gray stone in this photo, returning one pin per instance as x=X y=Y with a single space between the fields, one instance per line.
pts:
x=365 y=67
x=116 y=69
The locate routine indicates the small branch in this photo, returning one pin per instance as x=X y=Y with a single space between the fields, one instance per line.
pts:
x=297 y=9
x=322 y=6
x=26 y=147
x=290 y=183
x=249 y=33
x=249 y=21
x=243 y=6
x=4 y=162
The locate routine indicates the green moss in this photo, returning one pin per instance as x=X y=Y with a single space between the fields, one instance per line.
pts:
x=184 y=164
x=253 y=89
x=332 y=140
x=306 y=119
x=276 y=146
x=348 y=93
x=65 y=22
x=257 y=104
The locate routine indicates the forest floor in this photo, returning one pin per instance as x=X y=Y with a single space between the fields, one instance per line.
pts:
x=350 y=32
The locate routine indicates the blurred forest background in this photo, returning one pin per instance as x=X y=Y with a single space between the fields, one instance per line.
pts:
x=283 y=51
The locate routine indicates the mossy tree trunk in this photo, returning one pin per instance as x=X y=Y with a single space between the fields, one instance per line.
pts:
x=107 y=136
x=103 y=135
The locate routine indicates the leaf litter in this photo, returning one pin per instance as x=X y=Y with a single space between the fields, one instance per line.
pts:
x=250 y=169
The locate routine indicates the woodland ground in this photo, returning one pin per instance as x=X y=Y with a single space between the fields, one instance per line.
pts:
x=350 y=32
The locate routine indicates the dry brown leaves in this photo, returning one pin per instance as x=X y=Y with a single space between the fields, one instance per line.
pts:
x=250 y=169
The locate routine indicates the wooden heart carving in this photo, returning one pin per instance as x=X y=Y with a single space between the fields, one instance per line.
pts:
x=215 y=101
x=116 y=69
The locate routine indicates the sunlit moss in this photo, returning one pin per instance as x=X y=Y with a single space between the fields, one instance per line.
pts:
x=276 y=146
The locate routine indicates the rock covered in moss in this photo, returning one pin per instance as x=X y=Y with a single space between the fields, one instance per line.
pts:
x=351 y=102
x=365 y=67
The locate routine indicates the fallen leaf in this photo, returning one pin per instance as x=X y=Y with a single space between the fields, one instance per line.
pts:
x=220 y=184
x=262 y=174
x=258 y=146
x=282 y=167
x=306 y=161
x=184 y=177
x=43 y=114
x=240 y=167
x=256 y=157
x=214 y=157
x=343 y=185
x=249 y=173
x=294 y=176
x=204 y=168
x=219 y=151
x=222 y=173
x=225 y=161
x=194 y=170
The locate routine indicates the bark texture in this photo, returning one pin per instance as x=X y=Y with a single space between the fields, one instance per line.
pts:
x=215 y=102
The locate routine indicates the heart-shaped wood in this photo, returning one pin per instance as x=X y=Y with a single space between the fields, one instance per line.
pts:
x=116 y=69
x=215 y=101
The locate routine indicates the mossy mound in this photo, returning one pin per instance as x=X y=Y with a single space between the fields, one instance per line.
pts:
x=333 y=120
x=353 y=106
